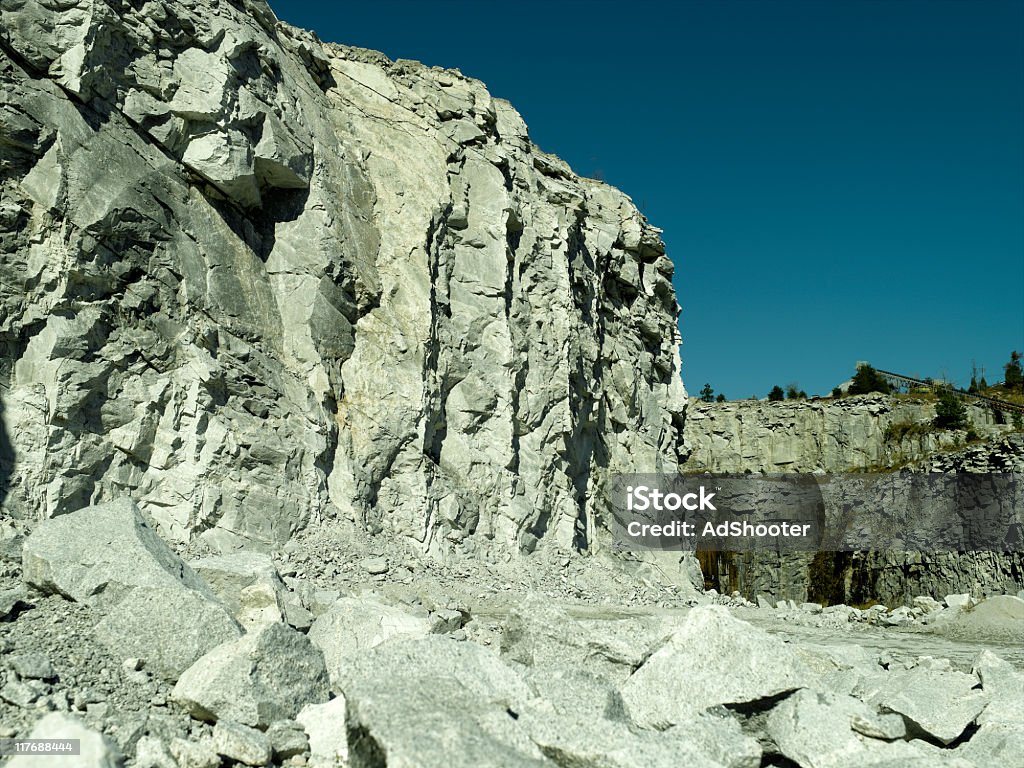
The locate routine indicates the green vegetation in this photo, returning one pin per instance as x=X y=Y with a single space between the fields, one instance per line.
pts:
x=837 y=393
x=866 y=380
x=950 y=413
x=795 y=393
x=776 y=395
x=899 y=430
x=707 y=394
x=1014 y=379
x=720 y=398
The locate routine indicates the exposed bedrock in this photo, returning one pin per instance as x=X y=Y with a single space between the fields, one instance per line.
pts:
x=855 y=434
x=250 y=279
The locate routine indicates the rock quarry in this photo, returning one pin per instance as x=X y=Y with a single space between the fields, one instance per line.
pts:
x=314 y=367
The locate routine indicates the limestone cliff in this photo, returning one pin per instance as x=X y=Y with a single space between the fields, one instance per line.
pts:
x=867 y=432
x=849 y=434
x=250 y=278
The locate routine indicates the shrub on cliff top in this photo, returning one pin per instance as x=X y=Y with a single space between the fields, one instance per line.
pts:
x=866 y=380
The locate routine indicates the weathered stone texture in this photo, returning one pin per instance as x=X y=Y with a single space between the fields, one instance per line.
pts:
x=250 y=278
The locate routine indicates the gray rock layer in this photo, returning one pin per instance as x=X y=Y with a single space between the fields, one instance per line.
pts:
x=251 y=278
x=853 y=434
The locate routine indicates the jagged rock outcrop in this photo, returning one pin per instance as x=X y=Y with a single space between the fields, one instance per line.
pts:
x=250 y=278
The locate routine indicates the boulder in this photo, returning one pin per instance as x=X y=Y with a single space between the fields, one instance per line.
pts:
x=240 y=743
x=95 y=749
x=151 y=752
x=539 y=634
x=828 y=730
x=228 y=575
x=169 y=628
x=194 y=754
x=713 y=658
x=325 y=726
x=354 y=624
x=1004 y=685
x=32 y=666
x=288 y=738
x=940 y=704
x=266 y=675
x=99 y=554
x=995 y=744
x=435 y=701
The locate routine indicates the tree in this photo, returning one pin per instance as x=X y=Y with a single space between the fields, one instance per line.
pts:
x=720 y=398
x=866 y=380
x=707 y=394
x=837 y=392
x=1014 y=378
x=949 y=411
x=776 y=394
x=983 y=385
x=792 y=392
x=973 y=388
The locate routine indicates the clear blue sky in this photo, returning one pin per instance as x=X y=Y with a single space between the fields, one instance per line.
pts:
x=837 y=181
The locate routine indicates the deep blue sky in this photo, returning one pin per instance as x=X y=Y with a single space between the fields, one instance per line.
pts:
x=837 y=181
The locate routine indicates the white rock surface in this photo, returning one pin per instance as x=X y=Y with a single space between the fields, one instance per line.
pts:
x=713 y=658
x=266 y=675
x=325 y=726
x=306 y=280
x=96 y=750
x=170 y=628
x=99 y=554
x=353 y=624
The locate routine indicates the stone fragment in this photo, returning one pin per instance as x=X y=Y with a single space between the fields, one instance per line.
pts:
x=168 y=627
x=227 y=575
x=1004 y=685
x=260 y=604
x=226 y=159
x=296 y=614
x=151 y=752
x=288 y=738
x=538 y=634
x=19 y=694
x=713 y=658
x=266 y=675
x=99 y=554
x=576 y=741
x=827 y=730
x=12 y=602
x=375 y=565
x=445 y=620
x=95 y=750
x=436 y=701
x=325 y=726
x=193 y=754
x=241 y=743
x=355 y=624
x=32 y=666
x=940 y=704
x=11 y=542
x=994 y=744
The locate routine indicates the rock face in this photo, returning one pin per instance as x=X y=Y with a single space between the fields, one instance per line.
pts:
x=251 y=278
x=854 y=434
x=849 y=434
